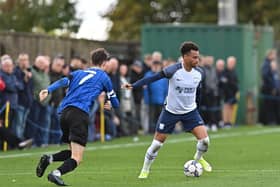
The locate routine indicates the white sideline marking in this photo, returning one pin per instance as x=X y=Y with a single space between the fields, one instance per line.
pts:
x=276 y=171
x=116 y=146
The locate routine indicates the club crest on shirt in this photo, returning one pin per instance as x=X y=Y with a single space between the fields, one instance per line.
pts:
x=161 y=126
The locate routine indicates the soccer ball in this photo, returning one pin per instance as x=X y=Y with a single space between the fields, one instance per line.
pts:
x=193 y=169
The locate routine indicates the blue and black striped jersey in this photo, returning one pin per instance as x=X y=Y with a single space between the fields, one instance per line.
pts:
x=84 y=86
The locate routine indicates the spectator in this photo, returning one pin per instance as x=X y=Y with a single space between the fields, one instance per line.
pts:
x=275 y=110
x=47 y=64
x=268 y=89
x=145 y=107
x=112 y=117
x=148 y=60
x=220 y=70
x=6 y=134
x=24 y=76
x=56 y=97
x=38 y=123
x=66 y=70
x=84 y=63
x=114 y=75
x=155 y=94
x=209 y=99
x=130 y=127
x=136 y=73
x=157 y=56
x=10 y=93
x=230 y=91
x=75 y=63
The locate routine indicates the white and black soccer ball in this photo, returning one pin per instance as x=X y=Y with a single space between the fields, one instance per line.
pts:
x=193 y=169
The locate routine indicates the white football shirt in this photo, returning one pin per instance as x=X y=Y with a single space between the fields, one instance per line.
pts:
x=182 y=90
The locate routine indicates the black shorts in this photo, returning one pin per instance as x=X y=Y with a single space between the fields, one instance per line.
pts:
x=74 y=125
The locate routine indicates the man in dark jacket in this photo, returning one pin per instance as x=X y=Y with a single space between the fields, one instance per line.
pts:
x=10 y=93
x=220 y=71
x=136 y=74
x=210 y=91
x=230 y=91
x=24 y=76
x=268 y=89
x=56 y=97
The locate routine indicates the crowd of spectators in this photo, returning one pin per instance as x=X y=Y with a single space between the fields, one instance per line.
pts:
x=139 y=108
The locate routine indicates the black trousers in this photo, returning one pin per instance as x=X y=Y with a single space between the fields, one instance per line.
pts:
x=7 y=135
x=210 y=109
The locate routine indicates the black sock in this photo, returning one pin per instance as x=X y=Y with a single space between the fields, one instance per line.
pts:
x=67 y=166
x=62 y=155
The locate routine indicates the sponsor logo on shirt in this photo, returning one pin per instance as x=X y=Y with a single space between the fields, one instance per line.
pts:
x=185 y=90
x=177 y=79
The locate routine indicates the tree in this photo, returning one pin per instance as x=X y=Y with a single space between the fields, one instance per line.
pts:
x=128 y=15
x=260 y=12
x=44 y=15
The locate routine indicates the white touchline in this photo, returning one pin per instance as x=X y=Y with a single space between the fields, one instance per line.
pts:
x=117 y=146
x=81 y=172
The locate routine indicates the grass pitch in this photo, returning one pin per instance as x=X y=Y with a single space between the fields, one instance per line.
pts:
x=242 y=156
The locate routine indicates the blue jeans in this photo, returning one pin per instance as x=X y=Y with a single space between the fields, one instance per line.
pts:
x=38 y=123
x=91 y=125
x=55 y=130
x=19 y=124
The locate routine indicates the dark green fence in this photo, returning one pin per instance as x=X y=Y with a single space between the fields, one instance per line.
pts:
x=246 y=42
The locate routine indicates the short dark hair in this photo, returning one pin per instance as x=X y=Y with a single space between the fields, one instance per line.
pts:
x=98 y=56
x=59 y=56
x=186 y=47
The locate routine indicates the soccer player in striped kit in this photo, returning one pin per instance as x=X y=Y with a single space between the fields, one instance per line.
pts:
x=84 y=86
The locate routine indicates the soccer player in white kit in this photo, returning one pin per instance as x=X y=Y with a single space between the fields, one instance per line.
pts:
x=181 y=105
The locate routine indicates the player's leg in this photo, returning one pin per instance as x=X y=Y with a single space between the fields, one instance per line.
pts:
x=45 y=160
x=78 y=122
x=63 y=155
x=203 y=142
x=68 y=165
x=152 y=153
x=165 y=126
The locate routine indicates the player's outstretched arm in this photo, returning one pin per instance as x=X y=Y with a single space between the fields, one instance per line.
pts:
x=43 y=94
x=63 y=82
x=148 y=80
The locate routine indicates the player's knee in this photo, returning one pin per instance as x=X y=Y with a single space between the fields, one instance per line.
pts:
x=203 y=144
x=160 y=137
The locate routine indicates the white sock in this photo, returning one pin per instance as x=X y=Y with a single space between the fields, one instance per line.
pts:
x=201 y=148
x=151 y=154
x=50 y=159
